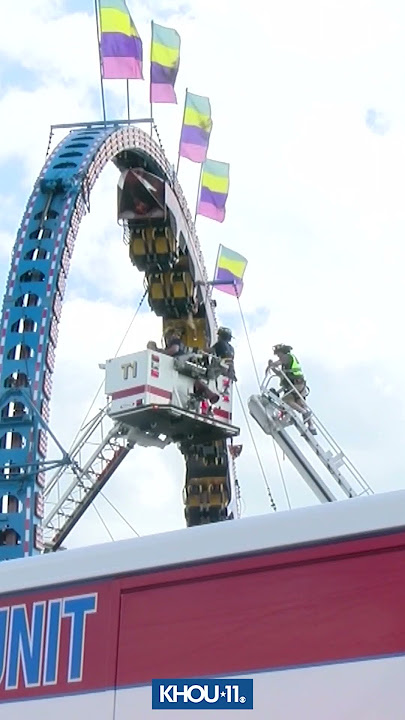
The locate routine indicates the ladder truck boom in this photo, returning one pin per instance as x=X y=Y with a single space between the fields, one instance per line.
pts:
x=85 y=480
x=85 y=484
x=278 y=419
x=153 y=403
x=259 y=409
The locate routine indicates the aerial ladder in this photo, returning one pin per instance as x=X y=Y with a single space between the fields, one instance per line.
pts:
x=278 y=419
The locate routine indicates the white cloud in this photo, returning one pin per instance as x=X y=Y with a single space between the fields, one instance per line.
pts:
x=315 y=204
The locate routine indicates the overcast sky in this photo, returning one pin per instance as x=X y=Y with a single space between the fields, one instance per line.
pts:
x=308 y=106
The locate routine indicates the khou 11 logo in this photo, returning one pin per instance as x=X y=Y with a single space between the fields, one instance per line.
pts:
x=202 y=694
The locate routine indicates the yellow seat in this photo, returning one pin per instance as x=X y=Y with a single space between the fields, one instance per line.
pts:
x=138 y=252
x=157 y=293
x=157 y=289
x=138 y=246
x=165 y=243
x=206 y=492
x=153 y=249
x=182 y=285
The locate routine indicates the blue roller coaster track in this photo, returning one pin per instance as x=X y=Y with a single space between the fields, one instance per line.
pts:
x=32 y=312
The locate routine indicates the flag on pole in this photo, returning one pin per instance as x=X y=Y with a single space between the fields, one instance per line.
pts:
x=196 y=130
x=164 y=64
x=230 y=269
x=214 y=190
x=121 y=46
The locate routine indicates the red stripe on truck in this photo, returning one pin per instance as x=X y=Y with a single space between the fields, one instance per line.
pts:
x=141 y=389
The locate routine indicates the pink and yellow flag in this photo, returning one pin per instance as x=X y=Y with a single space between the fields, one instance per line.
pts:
x=120 y=46
x=229 y=271
x=196 y=130
x=214 y=190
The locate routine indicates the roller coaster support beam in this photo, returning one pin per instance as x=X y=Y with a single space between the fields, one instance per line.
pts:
x=14 y=396
x=18 y=412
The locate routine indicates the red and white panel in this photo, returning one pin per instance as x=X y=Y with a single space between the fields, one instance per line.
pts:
x=320 y=629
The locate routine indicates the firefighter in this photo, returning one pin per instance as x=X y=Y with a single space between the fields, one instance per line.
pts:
x=224 y=350
x=291 y=372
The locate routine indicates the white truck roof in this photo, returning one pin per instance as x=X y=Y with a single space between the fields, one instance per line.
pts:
x=273 y=531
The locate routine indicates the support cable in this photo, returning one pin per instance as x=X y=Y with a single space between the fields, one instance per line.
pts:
x=102 y=521
x=248 y=341
x=120 y=514
x=272 y=503
x=102 y=383
x=251 y=434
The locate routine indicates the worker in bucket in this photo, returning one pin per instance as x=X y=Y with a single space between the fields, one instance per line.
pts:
x=291 y=372
x=175 y=348
x=224 y=350
x=173 y=343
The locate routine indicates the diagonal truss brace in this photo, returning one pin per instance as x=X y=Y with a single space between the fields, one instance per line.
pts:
x=13 y=394
x=87 y=481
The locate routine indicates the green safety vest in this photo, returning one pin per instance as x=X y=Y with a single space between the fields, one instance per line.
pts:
x=295 y=368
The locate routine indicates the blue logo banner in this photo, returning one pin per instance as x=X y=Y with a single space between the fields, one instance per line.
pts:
x=202 y=694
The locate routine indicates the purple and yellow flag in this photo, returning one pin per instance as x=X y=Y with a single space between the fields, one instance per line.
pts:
x=121 y=46
x=164 y=64
x=214 y=190
x=230 y=269
x=196 y=130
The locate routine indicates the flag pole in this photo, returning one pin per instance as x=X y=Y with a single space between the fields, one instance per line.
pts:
x=182 y=125
x=100 y=59
x=198 y=192
x=128 y=106
x=216 y=263
x=150 y=79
